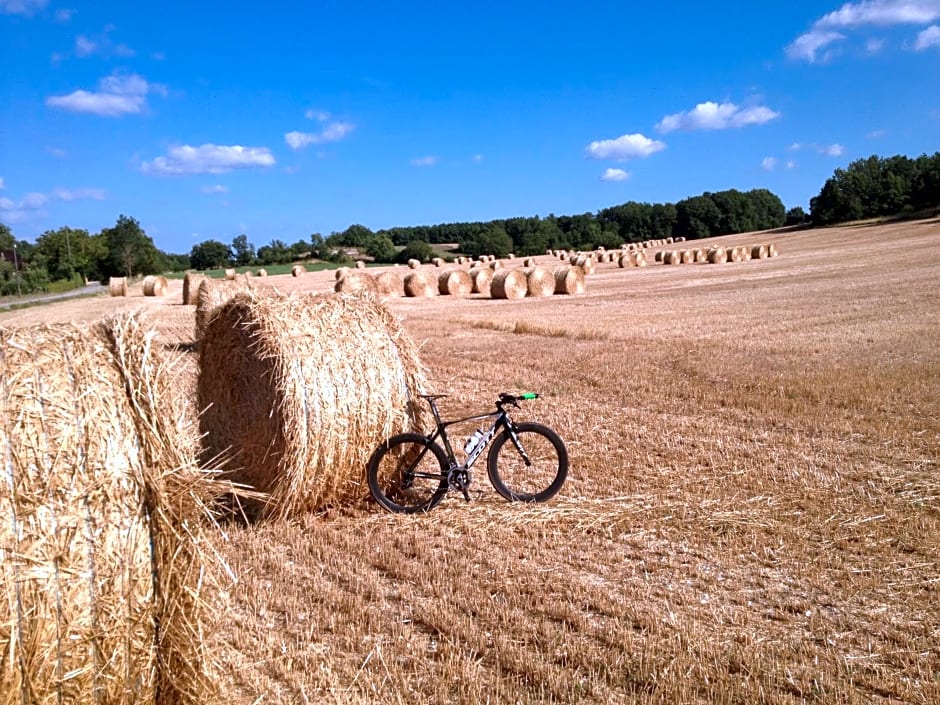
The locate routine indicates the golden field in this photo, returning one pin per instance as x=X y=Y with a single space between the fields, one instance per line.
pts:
x=752 y=513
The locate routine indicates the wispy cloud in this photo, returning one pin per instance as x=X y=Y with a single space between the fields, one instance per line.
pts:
x=2 y=184
x=64 y=15
x=21 y=7
x=429 y=160
x=880 y=13
x=315 y=114
x=791 y=164
x=615 y=175
x=57 y=152
x=716 y=116
x=875 y=134
x=625 y=147
x=930 y=37
x=208 y=159
x=830 y=150
x=79 y=194
x=333 y=132
x=31 y=205
x=217 y=188
x=117 y=94
x=768 y=163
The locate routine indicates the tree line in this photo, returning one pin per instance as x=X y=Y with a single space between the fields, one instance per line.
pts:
x=869 y=187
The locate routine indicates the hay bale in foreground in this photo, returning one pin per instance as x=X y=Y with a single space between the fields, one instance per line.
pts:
x=191 y=282
x=482 y=278
x=211 y=294
x=298 y=392
x=355 y=282
x=454 y=282
x=117 y=286
x=102 y=582
x=569 y=279
x=297 y=270
x=540 y=281
x=420 y=284
x=389 y=284
x=508 y=284
x=155 y=285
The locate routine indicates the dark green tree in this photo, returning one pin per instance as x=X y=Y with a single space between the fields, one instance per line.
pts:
x=697 y=217
x=416 y=249
x=6 y=237
x=129 y=250
x=381 y=248
x=243 y=251
x=210 y=254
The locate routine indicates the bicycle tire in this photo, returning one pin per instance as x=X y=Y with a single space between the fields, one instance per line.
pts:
x=538 y=482
x=395 y=486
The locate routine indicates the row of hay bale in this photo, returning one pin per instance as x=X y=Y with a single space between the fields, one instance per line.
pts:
x=717 y=254
x=152 y=286
x=504 y=283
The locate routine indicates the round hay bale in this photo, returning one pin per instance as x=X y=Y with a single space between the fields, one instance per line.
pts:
x=688 y=256
x=508 y=284
x=230 y=274
x=155 y=285
x=658 y=256
x=511 y=256
x=672 y=257
x=262 y=272
x=191 y=282
x=104 y=522
x=356 y=282
x=569 y=280
x=495 y=264
x=389 y=284
x=297 y=270
x=772 y=250
x=482 y=277
x=341 y=272
x=639 y=257
x=248 y=274
x=717 y=255
x=540 y=281
x=117 y=286
x=420 y=284
x=586 y=263
x=211 y=294
x=624 y=260
x=360 y=264
x=680 y=239
x=298 y=391
x=736 y=254
x=414 y=263
x=528 y=262
x=454 y=282
x=437 y=261
x=700 y=255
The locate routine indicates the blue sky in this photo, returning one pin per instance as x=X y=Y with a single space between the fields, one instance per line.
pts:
x=209 y=119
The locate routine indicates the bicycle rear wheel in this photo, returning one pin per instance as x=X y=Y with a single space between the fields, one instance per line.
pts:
x=408 y=473
x=541 y=477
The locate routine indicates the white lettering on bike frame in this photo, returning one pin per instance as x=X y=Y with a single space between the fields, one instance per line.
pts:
x=480 y=446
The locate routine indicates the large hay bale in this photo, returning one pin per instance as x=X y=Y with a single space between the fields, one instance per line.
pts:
x=638 y=257
x=772 y=250
x=355 y=282
x=700 y=254
x=658 y=256
x=454 y=282
x=420 y=284
x=414 y=263
x=102 y=583
x=389 y=284
x=155 y=285
x=482 y=278
x=211 y=294
x=495 y=264
x=191 y=282
x=687 y=256
x=717 y=255
x=569 y=280
x=262 y=272
x=585 y=262
x=508 y=284
x=117 y=286
x=298 y=391
x=340 y=272
x=437 y=261
x=540 y=281
x=528 y=262
x=360 y=264
x=672 y=257
x=230 y=274
x=297 y=270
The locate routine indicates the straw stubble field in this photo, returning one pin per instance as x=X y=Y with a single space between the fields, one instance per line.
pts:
x=752 y=512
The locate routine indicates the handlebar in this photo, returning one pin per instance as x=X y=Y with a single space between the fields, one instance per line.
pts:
x=514 y=399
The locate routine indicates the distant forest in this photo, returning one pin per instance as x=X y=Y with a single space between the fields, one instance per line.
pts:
x=867 y=188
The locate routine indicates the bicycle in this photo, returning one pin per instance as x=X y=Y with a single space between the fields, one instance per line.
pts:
x=527 y=462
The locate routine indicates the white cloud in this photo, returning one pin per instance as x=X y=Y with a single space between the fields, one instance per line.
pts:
x=2 y=185
x=64 y=194
x=63 y=15
x=430 y=160
x=791 y=164
x=615 y=175
x=6 y=204
x=795 y=147
x=208 y=159
x=34 y=201
x=716 y=116
x=930 y=37
x=57 y=152
x=832 y=150
x=320 y=115
x=84 y=46
x=624 y=147
x=880 y=13
x=874 y=46
x=333 y=132
x=875 y=134
x=21 y=7
x=768 y=163
x=118 y=94
x=217 y=188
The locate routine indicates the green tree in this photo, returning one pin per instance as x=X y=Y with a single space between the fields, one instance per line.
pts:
x=6 y=237
x=244 y=251
x=416 y=249
x=67 y=251
x=210 y=254
x=381 y=248
x=796 y=216
x=277 y=252
x=697 y=217
x=494 y=241
x=129 y=250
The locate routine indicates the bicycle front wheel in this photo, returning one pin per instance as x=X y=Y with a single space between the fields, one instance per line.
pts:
x=408 y=473
x=531 y=468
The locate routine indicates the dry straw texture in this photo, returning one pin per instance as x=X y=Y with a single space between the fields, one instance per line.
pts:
x=356 y=282
x=211 y=294
x=688 y=256
x=297 y=270
x=102 y=504
x=230 y=274
x=262 y=272
x=772 y=250
x=569 y=279
x=540 y=281
x=117 y=286
x=389 y=284
x=717 y=255
x=454 y=282
x=340 y=272
x=298 y=391
x=191 y=282
x=482 y=278
x=155 y=285
x=508 y=284
x=420 y=284
x=585 y=262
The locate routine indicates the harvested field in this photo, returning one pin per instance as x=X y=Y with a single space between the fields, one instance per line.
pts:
x=753 y=519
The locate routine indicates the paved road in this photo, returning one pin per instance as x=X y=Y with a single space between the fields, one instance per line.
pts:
x=92 y=288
